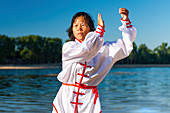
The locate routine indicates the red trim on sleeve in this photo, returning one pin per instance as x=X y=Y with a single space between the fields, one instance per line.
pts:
x=125 y=20
x=129 y=26
x=100 y=26
x=101 y=33
x=101 y=29
x=128 y=23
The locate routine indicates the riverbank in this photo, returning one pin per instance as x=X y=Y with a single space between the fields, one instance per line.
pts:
x=53 y=66
x=140 y=65
x=30 y=66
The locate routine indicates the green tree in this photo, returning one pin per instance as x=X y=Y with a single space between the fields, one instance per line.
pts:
x=26 y=55
x=24 y=48
x=67 y=40
x=145 y=55
x=169 y=55
x=7 y=49
x=37 y=49
x=162 y=53
x=133 y=55
x=52 y=50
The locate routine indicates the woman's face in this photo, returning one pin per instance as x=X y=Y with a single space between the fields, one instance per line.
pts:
x=80 y=28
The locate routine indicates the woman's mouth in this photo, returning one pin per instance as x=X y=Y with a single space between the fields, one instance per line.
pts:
x=79 y=33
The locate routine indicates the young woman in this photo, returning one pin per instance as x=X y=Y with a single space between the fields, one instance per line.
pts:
x=86 y=61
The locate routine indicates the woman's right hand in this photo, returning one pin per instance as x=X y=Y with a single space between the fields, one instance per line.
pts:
x=124 y=13
x=100 y=21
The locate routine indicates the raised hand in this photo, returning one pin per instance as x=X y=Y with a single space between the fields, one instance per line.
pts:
x=100 y=21
x=124 y=13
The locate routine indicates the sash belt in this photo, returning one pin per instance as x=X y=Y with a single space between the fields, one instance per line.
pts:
x=82 y=86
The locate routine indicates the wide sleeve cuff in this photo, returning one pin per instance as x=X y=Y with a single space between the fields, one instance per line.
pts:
x=126 y=23
x=100 y=30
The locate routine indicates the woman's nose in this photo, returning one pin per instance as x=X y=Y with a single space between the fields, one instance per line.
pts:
x=79 y=28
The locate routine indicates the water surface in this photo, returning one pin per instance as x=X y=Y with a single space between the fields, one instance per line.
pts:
x=124 y=90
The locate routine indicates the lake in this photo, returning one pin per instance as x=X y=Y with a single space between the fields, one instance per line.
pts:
x=124 y=90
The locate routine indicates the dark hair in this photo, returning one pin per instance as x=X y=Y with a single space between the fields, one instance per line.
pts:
x=86 y=17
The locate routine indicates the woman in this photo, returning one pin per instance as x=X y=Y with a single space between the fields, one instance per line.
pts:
x=87 y=60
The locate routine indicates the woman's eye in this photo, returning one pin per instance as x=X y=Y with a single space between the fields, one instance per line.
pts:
x=75 y=25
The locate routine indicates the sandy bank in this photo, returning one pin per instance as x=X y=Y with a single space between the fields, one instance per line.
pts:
x=54 y=66
x=33 y=66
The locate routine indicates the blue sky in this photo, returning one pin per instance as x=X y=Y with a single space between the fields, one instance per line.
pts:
x=51 y=18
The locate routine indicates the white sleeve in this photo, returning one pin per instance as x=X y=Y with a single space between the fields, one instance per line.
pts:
x=76 y=52
x=124 y=46
x=121 y=48
x=114 y=51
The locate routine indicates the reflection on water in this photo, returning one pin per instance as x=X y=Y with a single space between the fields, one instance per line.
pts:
x=124 y=90
x=141 y=90
x=32 y=93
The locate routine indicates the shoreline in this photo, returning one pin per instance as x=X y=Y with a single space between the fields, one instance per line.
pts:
x=29 y=66
x=139 y=65
x=54 y=66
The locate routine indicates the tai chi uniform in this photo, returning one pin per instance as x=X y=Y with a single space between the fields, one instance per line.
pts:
x=85 y=64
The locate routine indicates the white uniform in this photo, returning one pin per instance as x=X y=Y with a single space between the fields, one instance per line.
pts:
x=85 y=64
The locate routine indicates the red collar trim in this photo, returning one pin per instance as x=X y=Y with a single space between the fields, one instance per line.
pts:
x=78 y=40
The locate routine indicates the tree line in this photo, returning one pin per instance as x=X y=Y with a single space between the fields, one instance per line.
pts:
x=144 y=55
x=34 y=49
